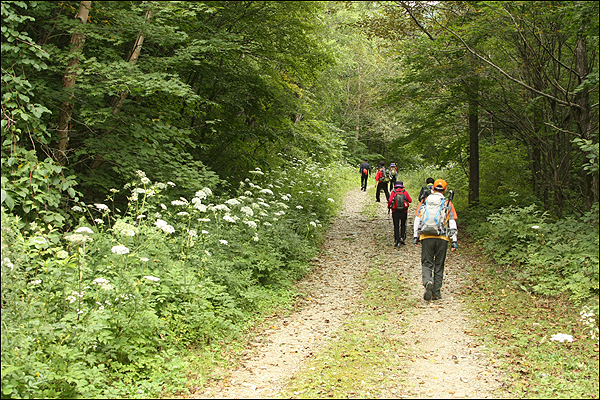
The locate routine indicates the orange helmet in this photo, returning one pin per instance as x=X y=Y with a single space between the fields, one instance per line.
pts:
x=440 y=184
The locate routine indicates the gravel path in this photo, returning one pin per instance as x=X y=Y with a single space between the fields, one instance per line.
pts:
x=446 y=361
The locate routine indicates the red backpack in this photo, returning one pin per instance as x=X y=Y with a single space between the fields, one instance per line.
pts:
x=399 y=202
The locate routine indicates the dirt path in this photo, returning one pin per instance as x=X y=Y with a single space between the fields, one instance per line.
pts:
x=446 y=362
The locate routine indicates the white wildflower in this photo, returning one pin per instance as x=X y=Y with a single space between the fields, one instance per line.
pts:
x=171 y=184
x=200 y=207
x=331 y=200
x=225 y=242
x=121 y=250
x=561 y=337
x=267 y=191
x=101 y=207
x=251 y=224
x=192 y=233
x=178 y=203
x=62 y=254
x=247 y=210
x=163 y=206
x=299 y=207
x=99 y=221
x=248 y=193
x=152 y=278
x=222 y=207
x=313 y=223
x=35 y=282
x=535 y=227
x=182 y=213
x=78 y=238
x=229 y=218
x=203 y=219
x=76 y=209
x=144 y=259
x=204 y=232
x=233 y=202
x=168 y=229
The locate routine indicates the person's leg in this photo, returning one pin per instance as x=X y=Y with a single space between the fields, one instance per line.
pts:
x=438 y=264
x=403 y=217
x=377 y=192
x=387 y=194
x=396 y=218
x=427 y=252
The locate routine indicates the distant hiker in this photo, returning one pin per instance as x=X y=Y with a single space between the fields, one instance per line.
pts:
x=398 y=203
x=426 y=190
x=364 y=169
x=393 y=172
x=382 y=178
x=434 y=227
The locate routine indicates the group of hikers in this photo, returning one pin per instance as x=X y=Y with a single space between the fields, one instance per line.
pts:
x=434 y=223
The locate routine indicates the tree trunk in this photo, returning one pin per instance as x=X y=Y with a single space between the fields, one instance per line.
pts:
x=135 y=53
x=66 y=108
x=582 y=117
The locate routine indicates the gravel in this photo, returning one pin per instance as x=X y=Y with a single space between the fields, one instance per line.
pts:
x=446 y=361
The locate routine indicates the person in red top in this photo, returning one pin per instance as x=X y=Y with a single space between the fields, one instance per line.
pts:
x=382 y=182
x=399 y=213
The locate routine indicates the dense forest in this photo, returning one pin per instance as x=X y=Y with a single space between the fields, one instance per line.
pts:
x=169 y=167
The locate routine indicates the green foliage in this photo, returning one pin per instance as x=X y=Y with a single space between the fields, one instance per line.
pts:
x=108 y=308
x=548 y=257
x=524 y=336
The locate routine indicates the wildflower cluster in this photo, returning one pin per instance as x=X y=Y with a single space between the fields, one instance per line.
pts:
x=136 y=273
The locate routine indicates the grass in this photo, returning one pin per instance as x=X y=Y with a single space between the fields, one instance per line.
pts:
x=516 y=327
x=366 y=357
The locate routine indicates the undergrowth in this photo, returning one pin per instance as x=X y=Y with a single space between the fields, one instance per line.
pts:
x=547 y=347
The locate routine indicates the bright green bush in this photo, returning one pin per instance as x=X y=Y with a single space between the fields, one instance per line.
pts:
x=97 y=311
x=549 y=256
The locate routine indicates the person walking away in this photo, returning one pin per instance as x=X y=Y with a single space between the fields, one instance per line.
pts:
x=398 y=203
x=393 y=175
x=426 y=190
x=364 y=169
x=434 y=227
x=382 y=179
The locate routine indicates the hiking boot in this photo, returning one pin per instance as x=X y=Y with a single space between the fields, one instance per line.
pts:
x=402 y=241
x=437 y=296
x=428 y=288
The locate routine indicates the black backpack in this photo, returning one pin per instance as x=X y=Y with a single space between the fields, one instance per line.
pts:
x=398 y=202
x=425 y=191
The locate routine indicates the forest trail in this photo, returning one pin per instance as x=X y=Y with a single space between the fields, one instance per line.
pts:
x=444 y=361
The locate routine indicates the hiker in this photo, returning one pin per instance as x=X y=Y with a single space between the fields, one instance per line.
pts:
x=364 y=169
x=434 y=227
x=393 y=172
x=426 y=190
x=382 y=179
x=398 y=203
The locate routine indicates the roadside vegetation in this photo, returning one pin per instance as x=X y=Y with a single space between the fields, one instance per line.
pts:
x=169 y=169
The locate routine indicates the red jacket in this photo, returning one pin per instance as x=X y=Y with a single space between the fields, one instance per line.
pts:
x=406 y=197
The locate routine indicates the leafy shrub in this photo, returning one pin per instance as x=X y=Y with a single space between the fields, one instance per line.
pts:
x=550 y=256
x=87 y=312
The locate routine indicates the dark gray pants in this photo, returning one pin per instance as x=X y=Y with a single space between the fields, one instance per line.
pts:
x=433 y=257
